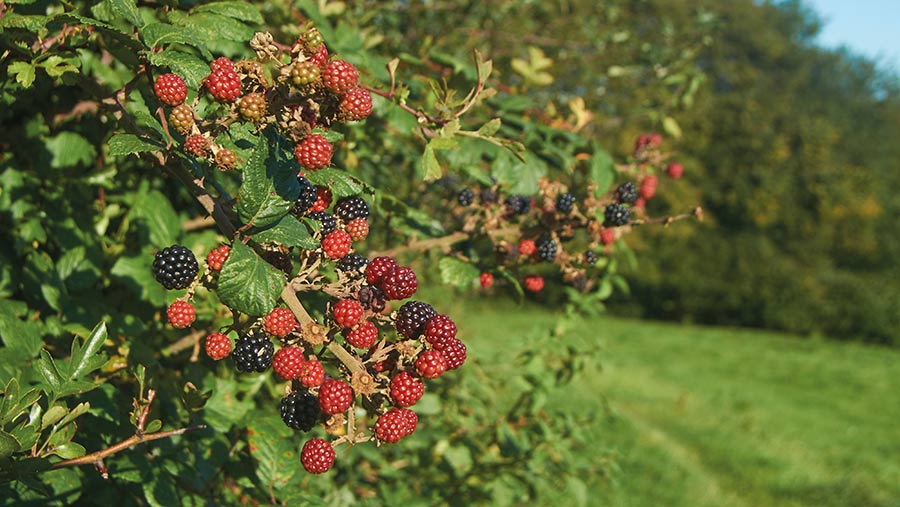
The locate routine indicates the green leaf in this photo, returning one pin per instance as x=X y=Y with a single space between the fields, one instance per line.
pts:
x=22 y=337
x=70 y=450
x=136 y=274
x=490 y=128
x=458 y=273
x=70 y=149
x=126 y=144
x=602 y=171
x=518 y=177
x=86 y=359
x=153 y=210
x=430 y=168
x=8 y=444
x=249 y=284
x=47 y=368
x=213 y=26
x=289 y=232
x=240 y=11
x=24 y=72
x=69 y=262
x=127 y=9
x=671 y=127
x=274 y=449
x=270 y=183
x=341 y=183
x=188 y=66
x=53 y=415
x=161 y=34
x=460 y=459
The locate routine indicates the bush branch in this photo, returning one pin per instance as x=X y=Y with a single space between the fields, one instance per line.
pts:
x=96 y=458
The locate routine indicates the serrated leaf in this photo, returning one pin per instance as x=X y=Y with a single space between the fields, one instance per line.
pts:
x=430 y=169
x=332 y=136
x=24 y=72
x=188 y=66
x=490 y=128
x=249 y=284
x=126 y=144
x=161 y=34
x=136 y=274
x=21 y=337
x=341 y=183
x=459 y=457
x=238 y=10
x=127 y=9
x=458 y=273
x=70 y=149
x=289 y=232
x=213 y=26
x=154 y=211
x=47 y=368
x=274 y=450
x=270 y=183
x=86 y=359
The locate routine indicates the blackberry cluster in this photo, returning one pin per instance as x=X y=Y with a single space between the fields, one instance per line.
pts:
x=465 y=197
x=627 y=193
x=546 y=249
x=329 y=223
x=564 y=203
x=175 y=267
x=348 y=208
x=253 y=352
x=352 y=265
x=591 y=257
x=300 y=410
x=615 y=215
x=517 y=204
x=412 y=317
x=307 y=197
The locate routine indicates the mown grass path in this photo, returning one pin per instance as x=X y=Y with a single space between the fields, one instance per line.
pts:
x=723 y=417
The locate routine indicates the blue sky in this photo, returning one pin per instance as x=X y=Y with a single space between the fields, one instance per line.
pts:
x=868 y=27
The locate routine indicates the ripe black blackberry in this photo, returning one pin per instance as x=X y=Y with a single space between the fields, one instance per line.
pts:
x=591 y=257
x=546 y=249
x=306 y=198
x=253 y=352
x=175 y=267
x=488 y=196
x=300 y=410
x=465 y=197
x=352 y=265
x=627 y=193
x=371 y=298
x=615 y=215
x=329 y=223
x=348 y=208
x=564 y=203
x=517 y=204
x=412 y=317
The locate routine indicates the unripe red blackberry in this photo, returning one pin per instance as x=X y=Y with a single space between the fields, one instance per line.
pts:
x=226 y=160
x=217 y=257
x=363 y=336
x=378 y=267
x=648 y=186
x=335 y=396
x=323 y=201
x=356 y=105
x=320 y=57
x=406 y=389
x=527 y=247
x=607 y=237
x=340 y=76
x=288 y=362
x=412 y=317
x=313 y=373
x=218 y=346
x=347 y=313
x=358 y=229
x=224 y=85
x=181 y=314
x=454 y=352
x=317 y=456
x=197 y=145
x=175 y=267
x=300 y=410
x=182 y=118
x=675 y=170
x=280 y=322
x=170 y=89
x=440 y=327
x=221 y=64
x=399 y=283
x=253 y=106
x=313 y=153
x=395 y=424
x=486 y=280
x=304 y=73
x=534 y=283
x=336 y=244
x=431 y=364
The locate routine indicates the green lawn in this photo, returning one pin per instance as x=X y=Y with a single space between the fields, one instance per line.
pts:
x=724 y=417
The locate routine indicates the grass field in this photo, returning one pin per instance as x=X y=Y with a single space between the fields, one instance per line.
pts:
x=723 y=417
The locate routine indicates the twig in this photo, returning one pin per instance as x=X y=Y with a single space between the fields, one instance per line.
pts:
x=184 y=343
x=95 y=458
x=665 y=221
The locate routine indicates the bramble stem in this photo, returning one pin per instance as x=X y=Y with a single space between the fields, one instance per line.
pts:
x=97 y=457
